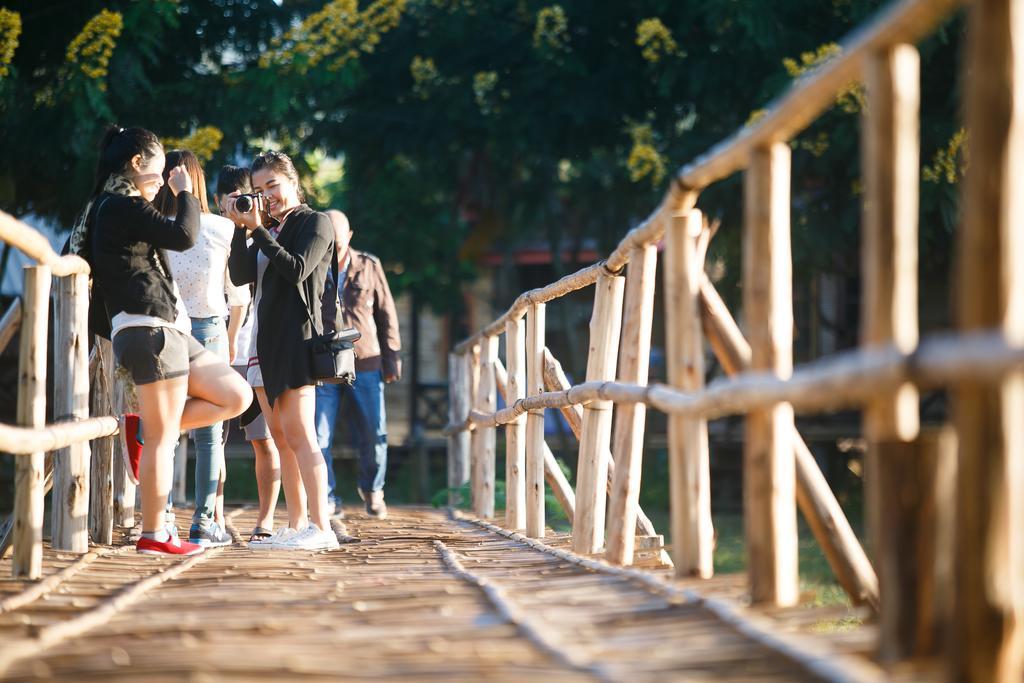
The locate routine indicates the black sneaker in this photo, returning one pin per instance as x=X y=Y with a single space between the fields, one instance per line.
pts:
x=209 y=535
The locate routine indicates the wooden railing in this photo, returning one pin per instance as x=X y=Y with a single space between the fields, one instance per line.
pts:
x=946 y=584
x=57 y=456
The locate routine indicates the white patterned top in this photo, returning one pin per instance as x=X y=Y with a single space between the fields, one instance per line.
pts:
x=201 y=272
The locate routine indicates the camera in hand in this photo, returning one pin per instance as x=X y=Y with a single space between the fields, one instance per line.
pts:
x=245 y=202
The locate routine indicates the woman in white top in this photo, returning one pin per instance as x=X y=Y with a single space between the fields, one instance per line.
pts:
x=201 y=274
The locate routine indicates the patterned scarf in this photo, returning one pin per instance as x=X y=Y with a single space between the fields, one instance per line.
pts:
x=116 y=184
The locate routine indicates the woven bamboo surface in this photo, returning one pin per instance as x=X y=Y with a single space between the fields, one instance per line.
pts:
x=421 y=596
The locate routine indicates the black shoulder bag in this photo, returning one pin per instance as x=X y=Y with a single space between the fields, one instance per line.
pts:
x=332 y=357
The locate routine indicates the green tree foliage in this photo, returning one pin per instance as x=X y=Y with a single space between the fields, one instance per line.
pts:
x=465 y=125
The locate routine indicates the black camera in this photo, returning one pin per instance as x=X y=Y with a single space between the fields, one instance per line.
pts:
x=245 y=202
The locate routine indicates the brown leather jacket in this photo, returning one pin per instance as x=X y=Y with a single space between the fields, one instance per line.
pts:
x=367 y=306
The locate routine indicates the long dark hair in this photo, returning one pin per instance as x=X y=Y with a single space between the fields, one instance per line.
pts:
x=117 y=147
x=165 y=201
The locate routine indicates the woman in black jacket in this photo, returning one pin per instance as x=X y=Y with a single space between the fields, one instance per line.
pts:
x=289 y=264
x=180 y=385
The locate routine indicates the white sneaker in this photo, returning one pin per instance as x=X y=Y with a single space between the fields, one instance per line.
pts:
x=311 y=538
x=278 y=536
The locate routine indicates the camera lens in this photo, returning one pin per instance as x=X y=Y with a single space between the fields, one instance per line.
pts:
x=244 y=203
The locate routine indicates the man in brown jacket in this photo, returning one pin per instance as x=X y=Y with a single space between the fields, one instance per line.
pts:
x=366 y=305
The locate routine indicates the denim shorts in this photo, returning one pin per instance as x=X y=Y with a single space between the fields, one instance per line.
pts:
x=152 y=354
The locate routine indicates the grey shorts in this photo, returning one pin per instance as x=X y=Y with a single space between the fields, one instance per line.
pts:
x=257 y=429
x=152 y=354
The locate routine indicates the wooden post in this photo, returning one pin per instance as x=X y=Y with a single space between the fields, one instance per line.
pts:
x=553 y=474
x=482 y=439
x=689 y=461
x=630 y=418
x=28 y=469
x=473 y=360
x=592 y=465
x=69 y=504
x=828 y=523
x=124 y=489
x=891 y=160
x=515 y=431
x=458 y=411
x=915 y=562
x=535 y=422
x=987 y=642
x=101 y=486
x=889 y=261
x=555 y=380
x=769 y=495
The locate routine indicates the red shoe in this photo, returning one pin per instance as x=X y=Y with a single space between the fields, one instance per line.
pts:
x=172 y=546
x=131 y=428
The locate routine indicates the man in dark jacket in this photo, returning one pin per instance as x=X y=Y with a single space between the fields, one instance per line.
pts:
x=365 y=304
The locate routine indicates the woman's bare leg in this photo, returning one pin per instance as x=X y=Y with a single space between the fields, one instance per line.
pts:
x=216 y=393
x=291 y=480
x=268 y=480
x=160 y=406
x=295 y=408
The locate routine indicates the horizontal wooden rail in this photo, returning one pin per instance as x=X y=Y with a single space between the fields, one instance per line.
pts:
x=807 y=99
x=814 y=497
x=570 y=283
x=560 y=486
x=25 y=440
x=27 y=239
x=843 y=380
x=648 y=232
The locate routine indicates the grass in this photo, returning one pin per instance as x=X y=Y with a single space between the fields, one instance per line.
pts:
x=817 y=583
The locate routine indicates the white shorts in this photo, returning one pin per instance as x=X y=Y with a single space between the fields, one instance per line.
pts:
x=256 y=430
x=254 y=376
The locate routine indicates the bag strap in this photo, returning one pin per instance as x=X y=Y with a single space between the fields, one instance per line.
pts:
x=302 y=292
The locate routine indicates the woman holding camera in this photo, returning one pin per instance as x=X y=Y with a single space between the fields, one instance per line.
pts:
x=290 y=270
x=180 y=385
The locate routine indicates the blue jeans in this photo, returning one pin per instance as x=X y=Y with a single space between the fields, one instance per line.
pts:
x=367 y=425
x=212 y=333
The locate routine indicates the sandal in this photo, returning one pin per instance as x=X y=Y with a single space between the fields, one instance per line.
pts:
x=260 y=534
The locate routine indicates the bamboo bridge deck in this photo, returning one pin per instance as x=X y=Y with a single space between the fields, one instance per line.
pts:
x=421 y=596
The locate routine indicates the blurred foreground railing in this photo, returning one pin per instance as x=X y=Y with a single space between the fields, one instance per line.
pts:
x=57 y=456
x=946 y=577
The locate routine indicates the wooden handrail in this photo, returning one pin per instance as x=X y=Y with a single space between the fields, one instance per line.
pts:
x=806 y=99
x=570 y=283
x=24 y=440
x=882 y=377
x=31 y=242
x=815 y=93
x=843 y=380
x=815 y=498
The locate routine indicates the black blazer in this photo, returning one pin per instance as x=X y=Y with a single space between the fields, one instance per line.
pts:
x=300 y=259
x=126 y=244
